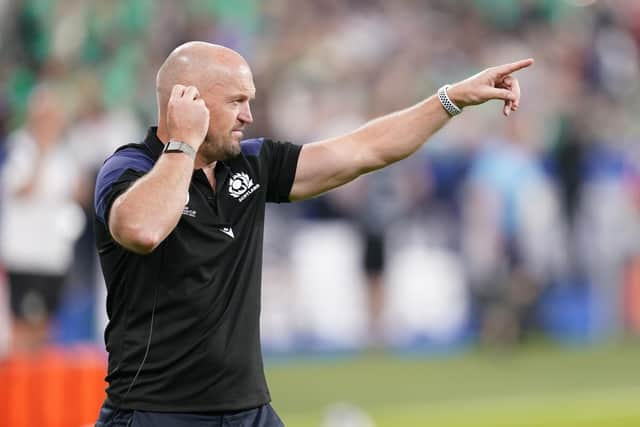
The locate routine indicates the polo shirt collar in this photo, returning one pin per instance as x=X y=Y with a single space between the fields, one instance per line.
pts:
x=153 y=143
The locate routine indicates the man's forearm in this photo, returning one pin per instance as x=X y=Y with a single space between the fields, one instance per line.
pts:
x=395 y=136
x=328 y=164
x=143 y=216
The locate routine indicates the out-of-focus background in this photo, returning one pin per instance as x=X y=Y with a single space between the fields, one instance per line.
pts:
x=493 y=278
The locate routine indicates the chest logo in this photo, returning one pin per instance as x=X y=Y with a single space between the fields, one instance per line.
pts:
x=241 y=186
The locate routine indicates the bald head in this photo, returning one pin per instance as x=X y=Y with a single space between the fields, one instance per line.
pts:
x=199 y=64
x=223 y=80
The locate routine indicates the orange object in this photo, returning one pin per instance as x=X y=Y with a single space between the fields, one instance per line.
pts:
x=57 y=388
x=17 y=392
x=51 y=372
x=631 y=296
x=90 y=372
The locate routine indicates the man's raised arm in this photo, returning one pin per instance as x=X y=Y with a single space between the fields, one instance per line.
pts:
x=327 y=164
x=144 y=215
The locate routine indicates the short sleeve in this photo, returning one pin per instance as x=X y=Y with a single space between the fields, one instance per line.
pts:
x=116 y=175
x=282 y=161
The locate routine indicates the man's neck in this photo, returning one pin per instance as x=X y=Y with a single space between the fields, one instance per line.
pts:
x=162 y=133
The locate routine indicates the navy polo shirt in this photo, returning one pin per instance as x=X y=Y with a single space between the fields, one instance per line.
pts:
x=195 y=300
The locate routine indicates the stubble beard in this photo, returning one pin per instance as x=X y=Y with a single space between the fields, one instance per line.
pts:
x=224 y=150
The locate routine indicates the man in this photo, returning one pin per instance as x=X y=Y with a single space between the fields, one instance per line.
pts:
x=179 y=225
x=41 y=219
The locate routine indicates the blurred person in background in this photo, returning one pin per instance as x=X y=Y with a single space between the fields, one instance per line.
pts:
x=5 y=316
x=40 y=219
x=105 y=128
x=5 y=312
x=513 y=239
x=373 y=218
x=179 y=229
x=370 y=205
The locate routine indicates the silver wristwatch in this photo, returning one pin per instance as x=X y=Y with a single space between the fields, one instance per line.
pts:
x=180 y=147
x=447 y=103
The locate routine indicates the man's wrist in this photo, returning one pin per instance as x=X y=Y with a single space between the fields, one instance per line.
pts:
x=175 y=146
x=448 y=104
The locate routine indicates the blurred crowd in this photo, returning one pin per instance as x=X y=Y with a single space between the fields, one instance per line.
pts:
x=535 y=216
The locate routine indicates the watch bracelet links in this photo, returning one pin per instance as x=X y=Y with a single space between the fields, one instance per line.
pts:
x=447 y=103
x=174 y=146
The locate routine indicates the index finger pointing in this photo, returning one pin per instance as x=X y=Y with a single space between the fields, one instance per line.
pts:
x=506 y=69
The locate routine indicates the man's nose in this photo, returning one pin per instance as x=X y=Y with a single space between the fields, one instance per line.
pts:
x=245 y=114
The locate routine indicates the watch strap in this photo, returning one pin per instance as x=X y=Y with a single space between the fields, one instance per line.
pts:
x=447 y=103
x=180 y=147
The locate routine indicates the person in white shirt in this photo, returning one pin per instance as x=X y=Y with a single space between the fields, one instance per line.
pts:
x=40 y=219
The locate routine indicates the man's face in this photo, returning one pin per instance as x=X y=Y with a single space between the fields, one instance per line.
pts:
x=229 y=114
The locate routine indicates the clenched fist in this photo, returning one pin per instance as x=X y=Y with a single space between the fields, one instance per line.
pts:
x=187 y=116
x=492 y=83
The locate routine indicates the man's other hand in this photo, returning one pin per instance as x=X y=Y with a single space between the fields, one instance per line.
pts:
x=492 y=83
x=187 y=116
